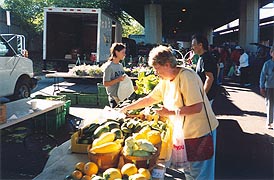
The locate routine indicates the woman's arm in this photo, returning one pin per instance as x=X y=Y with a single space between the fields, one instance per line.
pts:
x=114 y=81
x=140 y=103
x=185 y=110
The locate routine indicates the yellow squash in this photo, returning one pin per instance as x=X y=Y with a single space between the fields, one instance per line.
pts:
x=104 y=138
x=106 y=148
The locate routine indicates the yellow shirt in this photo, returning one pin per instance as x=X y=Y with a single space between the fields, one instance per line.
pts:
x=188 y=85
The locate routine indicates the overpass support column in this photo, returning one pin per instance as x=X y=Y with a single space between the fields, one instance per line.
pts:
x=249 y=24
x=153 y=23
x=209 y=35
x=273 y=36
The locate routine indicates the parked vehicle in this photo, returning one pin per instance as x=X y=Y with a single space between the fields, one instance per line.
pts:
x=78 y=33
x=16 y=70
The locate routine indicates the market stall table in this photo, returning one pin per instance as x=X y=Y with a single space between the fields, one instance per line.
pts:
x=58 y=75
x=21 y=110
x=62 y=163
x=62 y=160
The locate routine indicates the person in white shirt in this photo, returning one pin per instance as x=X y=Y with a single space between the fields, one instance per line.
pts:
x=244 y=69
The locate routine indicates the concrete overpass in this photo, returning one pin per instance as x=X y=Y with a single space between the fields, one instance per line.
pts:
x=167 y=20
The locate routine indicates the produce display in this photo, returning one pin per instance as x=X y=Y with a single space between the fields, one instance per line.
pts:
x=89 y=171
x=125 y=148
x=134 y=71
x=87 y=70
x=146 y=83
x=120 y=149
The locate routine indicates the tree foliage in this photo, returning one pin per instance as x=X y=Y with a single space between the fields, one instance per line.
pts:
x=131 y=26
x=29 y=13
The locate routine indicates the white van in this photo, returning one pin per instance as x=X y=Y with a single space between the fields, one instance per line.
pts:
x=16 y=70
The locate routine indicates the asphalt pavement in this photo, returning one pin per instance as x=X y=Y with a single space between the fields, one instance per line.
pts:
x=244 y=144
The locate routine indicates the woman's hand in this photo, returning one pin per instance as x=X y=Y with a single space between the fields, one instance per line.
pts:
x=121 y=78
x=164 y=112
x=123 y=110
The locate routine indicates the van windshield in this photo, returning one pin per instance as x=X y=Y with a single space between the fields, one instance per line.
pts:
x=6 y=49
x=3 y=48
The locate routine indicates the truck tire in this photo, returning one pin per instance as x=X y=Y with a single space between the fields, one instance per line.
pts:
x=22 y=90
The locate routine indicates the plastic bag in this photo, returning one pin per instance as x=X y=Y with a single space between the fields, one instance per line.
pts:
x=179 y=156
x=125 y=88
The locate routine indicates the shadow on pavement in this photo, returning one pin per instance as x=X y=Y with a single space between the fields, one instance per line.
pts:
x=222 y=105
x=242 y=155
x=25 y=152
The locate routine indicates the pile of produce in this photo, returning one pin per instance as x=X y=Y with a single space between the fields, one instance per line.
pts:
x=89 y=171
x=131 y=136
x=122 y=128
x=135 y=71
x=146 y=83
x=147 y=113
x=87 y=70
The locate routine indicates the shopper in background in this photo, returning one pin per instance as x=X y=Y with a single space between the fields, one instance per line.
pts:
x=223 y=61
x=267 y=87
x=235 y=56
x=114 y=72
x=207 y=67
x=181 y=88
x=244 y=69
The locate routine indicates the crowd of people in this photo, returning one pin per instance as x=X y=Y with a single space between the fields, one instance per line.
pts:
x=191 y=92
x=232 y=63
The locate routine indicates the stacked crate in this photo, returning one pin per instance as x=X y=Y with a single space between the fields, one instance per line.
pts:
x=102 y=95
x=81 y=98
x=54 y=119
x=87 y=99
x=72 y=96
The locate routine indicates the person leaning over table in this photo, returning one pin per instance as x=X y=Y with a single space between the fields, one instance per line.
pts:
x=181 y=88
x=114 y=72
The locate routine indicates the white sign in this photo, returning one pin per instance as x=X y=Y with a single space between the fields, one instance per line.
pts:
x=8 y=17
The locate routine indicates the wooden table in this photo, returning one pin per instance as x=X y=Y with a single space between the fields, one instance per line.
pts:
x=20 y=110
x=58 y=75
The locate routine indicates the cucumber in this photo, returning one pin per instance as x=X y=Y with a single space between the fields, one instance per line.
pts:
x=100 y=130
x=118 y=133
x=112 y=125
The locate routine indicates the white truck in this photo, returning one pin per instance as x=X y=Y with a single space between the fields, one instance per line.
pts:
x=16 y=70
x=70 y=33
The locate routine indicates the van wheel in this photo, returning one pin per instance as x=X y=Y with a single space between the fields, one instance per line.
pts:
x=22 y=90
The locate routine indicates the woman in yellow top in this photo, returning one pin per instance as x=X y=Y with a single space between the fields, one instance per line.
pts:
x=181 y=88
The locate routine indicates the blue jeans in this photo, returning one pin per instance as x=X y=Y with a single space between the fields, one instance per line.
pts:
x=220 y=76
x=203 y=170
x=269 y=98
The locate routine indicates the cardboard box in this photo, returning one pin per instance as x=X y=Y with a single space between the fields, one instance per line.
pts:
x=78 y=148
x=3 y=113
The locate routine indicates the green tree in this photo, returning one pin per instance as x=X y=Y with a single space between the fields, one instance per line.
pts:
x=28 y=13
x=131 y=26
